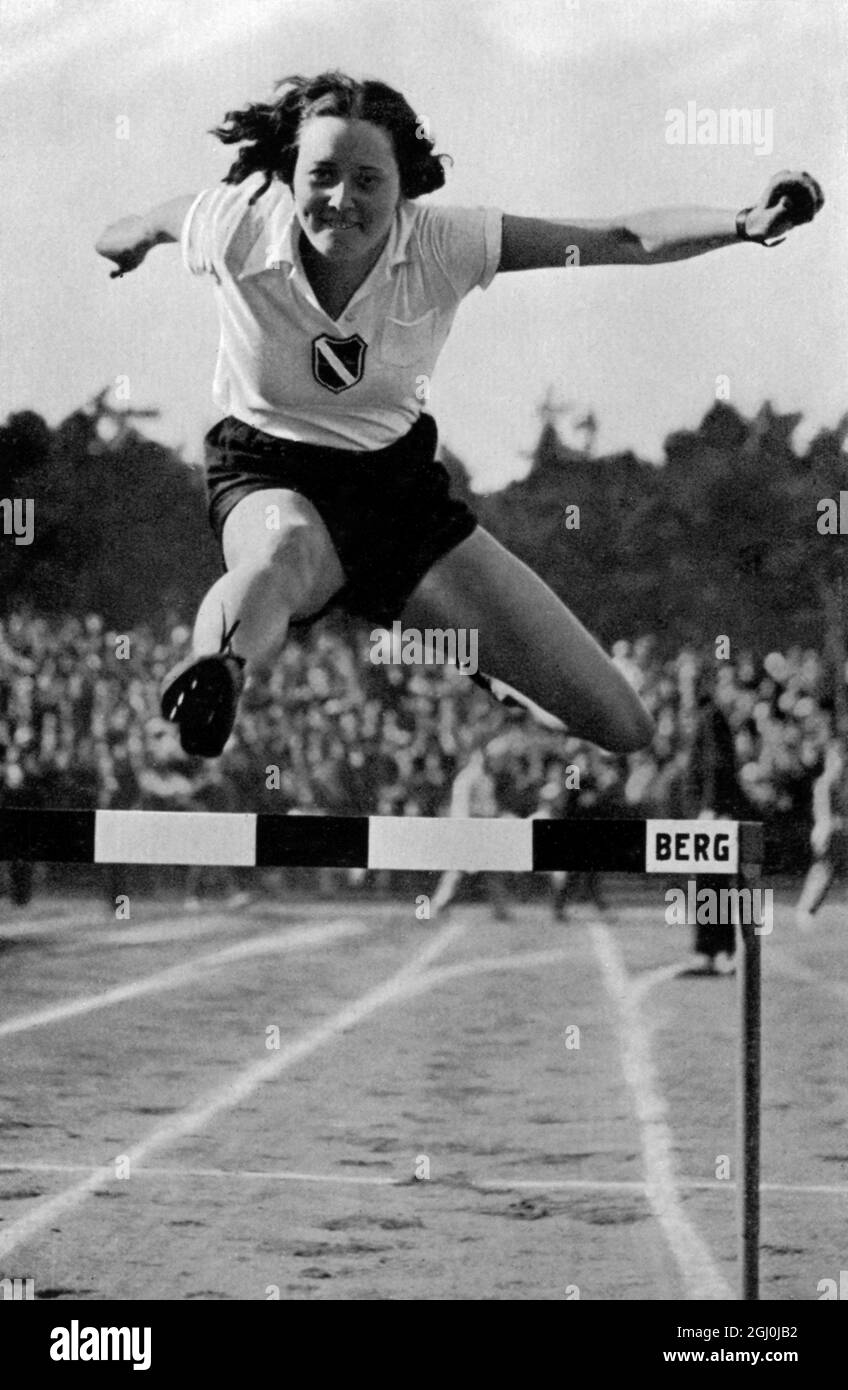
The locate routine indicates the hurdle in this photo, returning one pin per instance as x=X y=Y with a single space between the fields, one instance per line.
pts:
x=425 y=844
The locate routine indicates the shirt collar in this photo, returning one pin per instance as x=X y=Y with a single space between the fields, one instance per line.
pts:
x=275 y=248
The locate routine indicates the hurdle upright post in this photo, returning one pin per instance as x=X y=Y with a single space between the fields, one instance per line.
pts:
x=749 y=1073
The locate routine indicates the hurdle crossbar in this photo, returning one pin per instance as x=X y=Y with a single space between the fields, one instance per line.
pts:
x=378 y=842
x=417 y=843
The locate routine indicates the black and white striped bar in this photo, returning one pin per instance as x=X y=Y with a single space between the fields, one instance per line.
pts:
x=379 y=842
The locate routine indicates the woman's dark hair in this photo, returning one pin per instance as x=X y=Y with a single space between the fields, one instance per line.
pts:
x=268 y=132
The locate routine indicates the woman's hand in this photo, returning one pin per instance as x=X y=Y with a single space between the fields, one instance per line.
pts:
x=789 y=200
x=126 y=243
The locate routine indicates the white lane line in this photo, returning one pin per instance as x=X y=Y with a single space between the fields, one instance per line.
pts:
x=839 y=1190
x=272 y=943
x=174 y=931
x=87 y=929
x=20 y=928
x=405 y=983
x=228 y=1174
x=170 y=923
x=700 y=1274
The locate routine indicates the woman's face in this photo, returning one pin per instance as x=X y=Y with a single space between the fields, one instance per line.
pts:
x=346 y=187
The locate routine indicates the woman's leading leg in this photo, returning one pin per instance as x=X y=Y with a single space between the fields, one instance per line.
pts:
x=281 y=564
x=527 y=637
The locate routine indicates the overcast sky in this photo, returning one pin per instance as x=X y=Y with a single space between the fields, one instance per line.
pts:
x=548 y=107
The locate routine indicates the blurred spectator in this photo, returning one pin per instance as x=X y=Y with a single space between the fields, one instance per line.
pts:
x=712 y=792
x=12 y=794
x=592 y=790
x=472 y=794
x=828 y=837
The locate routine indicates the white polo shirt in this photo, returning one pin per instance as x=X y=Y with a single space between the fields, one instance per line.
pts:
x=286 y=367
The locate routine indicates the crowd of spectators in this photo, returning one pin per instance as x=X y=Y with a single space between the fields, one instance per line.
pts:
x=328 y=732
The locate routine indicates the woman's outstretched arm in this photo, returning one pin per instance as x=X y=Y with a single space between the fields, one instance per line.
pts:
x=659 y=235
x=128 y=241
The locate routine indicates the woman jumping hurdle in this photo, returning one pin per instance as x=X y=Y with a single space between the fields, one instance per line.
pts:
x=336 y=290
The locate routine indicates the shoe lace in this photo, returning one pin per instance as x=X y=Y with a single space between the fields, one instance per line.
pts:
x=226 y=642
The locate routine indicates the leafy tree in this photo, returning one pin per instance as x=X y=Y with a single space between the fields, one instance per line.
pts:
x=119 y=520
x=722 y=538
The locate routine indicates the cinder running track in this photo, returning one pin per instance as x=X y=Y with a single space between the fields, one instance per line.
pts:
x=335 y=1100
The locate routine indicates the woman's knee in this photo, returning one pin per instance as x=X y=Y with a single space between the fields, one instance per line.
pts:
x=288 y=548
x=295 y=548
x=635 y=732
x=609 y=713
x=297 y=564
x=629 y=727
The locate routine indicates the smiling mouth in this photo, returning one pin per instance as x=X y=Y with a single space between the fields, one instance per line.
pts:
x=340 y=226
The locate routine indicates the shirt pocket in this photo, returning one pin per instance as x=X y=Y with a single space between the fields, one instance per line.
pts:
x=407 y=341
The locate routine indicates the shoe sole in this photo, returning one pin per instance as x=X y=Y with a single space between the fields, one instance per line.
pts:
x=201 y=698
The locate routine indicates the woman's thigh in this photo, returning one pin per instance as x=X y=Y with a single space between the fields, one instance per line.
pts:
x=283 y=528
x=527 y=637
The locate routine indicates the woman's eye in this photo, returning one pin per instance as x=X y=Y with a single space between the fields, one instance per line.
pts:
x=326 y=178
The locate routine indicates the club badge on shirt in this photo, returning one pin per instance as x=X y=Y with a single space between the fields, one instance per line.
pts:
x=338 y=363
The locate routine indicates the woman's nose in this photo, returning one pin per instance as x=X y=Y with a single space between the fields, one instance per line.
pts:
x=341 y=196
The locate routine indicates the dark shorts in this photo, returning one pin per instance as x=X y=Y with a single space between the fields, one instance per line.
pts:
x=389 y=512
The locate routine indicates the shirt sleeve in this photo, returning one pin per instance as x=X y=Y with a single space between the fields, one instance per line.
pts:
x=465 y=243
x=210 y=225
x=190 y=236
